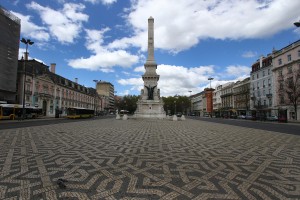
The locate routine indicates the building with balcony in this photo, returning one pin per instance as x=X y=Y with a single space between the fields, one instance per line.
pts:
x=286 y=73
x=261 y=86
x=9 y=44
x=227 y=100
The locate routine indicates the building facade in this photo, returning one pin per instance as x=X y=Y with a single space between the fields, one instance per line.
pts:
x=261 y=87
x=286 y=71
x=227 y=99
x=197 y=103
x=107 y=93
x=51 y=92
x=9 y=44
x=241 y=96
x=217 y=101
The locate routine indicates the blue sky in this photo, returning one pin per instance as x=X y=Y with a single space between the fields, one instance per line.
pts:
x=194 y=39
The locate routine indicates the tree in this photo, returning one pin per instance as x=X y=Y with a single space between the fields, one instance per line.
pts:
x=127 y=102
x=292 y=89
x=182 y=103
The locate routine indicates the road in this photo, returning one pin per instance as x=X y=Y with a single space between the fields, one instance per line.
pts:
x=106 y=158
x=8 y=124
x=289 y=128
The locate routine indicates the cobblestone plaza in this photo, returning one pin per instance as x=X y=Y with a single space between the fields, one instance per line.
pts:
x=148 y=159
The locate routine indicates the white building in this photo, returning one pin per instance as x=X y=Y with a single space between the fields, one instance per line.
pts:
x=261 y=86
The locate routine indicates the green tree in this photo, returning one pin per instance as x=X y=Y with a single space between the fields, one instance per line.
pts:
x=127 y=102
x=182 y=104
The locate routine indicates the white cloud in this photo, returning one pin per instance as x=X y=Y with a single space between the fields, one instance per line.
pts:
x=31 y=30
x=238 y=71
x=65 y=24
x=102 y=59
x=139 y=69
x=104 y=2
x=189 y=21
x=180 y=80
x=249 y=54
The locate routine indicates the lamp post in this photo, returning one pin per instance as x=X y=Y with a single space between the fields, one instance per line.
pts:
x=26 y=42
x=210 y=78
x=190 y=91
x=95 y=109
x=175 y=114
x=297 y=24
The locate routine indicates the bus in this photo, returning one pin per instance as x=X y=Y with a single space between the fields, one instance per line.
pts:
x=76 y=113
x=10 y=111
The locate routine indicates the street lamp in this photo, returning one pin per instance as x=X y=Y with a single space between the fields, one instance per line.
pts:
x=190 y=91
x=210 y=78
x=297 y=24
x=26 y=42
x=95 y=110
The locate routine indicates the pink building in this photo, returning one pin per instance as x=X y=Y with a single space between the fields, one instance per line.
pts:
x=51 y=92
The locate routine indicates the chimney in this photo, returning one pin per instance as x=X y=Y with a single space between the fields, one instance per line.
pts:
x=26 y=55
x=76 y=80
x=52 y=67
x=260 y=61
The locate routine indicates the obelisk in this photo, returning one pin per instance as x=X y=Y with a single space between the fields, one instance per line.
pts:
x=150 y=105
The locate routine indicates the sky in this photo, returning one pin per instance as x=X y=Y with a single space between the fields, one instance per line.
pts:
x=194 y=39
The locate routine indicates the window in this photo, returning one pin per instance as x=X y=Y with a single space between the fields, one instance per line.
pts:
x=252 y=77
x=269 y=71
x=258 y=93
x=257 y=76
x=289 y=68
x=290 y=82
x=264 y=81
x=280 y=72
x=281 y=99
x=257 y=85
x=264 y=93
x=269 y=82
x=279 y=61
x=298 y=53
x=253 y=87
x=281 y=85
x=263 y=73
x=289 y=57
x=270 y=102
x=265 y=102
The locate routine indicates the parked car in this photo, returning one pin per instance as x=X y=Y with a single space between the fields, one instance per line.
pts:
x=249 y=117
x=272 y=118
x=241 y=117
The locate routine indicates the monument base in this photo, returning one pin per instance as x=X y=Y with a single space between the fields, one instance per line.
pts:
x=150 y=109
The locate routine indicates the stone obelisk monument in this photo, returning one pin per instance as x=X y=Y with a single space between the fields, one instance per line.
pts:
x=150 y=105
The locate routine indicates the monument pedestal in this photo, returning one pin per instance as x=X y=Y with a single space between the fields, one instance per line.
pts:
x=150 y=109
